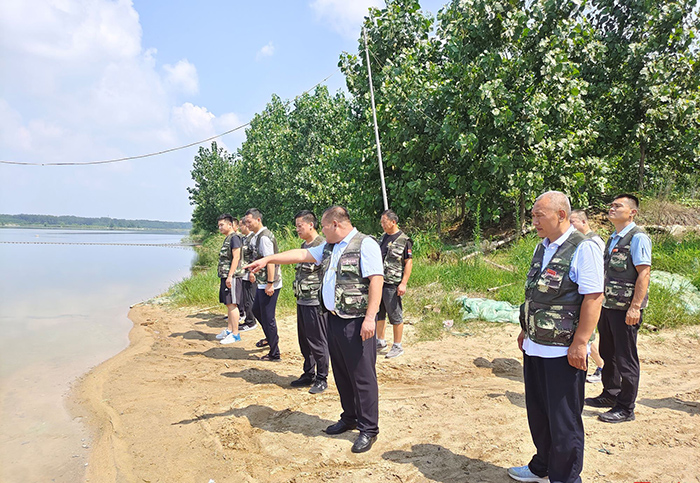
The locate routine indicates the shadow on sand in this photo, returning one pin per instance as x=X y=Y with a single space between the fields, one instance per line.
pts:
x=438 y=463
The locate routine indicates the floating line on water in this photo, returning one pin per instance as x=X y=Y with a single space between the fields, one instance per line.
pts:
x=167 y=245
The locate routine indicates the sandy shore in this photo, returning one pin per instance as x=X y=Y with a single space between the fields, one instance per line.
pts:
x=176 y=406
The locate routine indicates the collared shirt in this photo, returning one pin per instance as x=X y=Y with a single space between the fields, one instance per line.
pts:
x=267 y=249
x=370 y=261
x=586 y=270
x=640 y=245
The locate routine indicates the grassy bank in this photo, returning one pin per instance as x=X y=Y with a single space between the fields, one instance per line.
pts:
x=441 y=273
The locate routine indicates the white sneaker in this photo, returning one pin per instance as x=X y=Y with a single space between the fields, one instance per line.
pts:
x=222 y=334
x=231 y=338
x=395 y=351
x=381 y=345
x=523 y=473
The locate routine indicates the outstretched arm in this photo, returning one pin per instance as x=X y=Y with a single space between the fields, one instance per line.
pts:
x=297 y=255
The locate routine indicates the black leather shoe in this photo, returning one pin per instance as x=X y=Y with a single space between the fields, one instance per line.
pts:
x=600 y=402
x=339 y=427
x=363 y=443
x=304 y=380
x=617 y=415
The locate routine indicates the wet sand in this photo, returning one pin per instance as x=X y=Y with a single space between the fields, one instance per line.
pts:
x=178 y=406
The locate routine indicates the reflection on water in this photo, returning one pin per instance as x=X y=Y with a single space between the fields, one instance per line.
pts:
x=63 y=310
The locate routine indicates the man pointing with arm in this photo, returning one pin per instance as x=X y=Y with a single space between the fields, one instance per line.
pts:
x=351 y=291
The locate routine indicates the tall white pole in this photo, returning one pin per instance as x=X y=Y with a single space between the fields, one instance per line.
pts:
x=376 y=128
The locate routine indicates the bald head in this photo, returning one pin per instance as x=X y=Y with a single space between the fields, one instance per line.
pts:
x=550 y=214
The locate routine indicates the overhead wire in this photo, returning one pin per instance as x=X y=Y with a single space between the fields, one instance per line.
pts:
x=157 y=153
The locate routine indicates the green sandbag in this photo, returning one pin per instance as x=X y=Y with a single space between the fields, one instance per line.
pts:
x=488 y=310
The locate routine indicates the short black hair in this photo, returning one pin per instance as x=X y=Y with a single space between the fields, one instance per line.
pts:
x=307 y=217
x=631 y=197
x=254 y=212
x=391 y=215
x=226 y=217
x=336 y=213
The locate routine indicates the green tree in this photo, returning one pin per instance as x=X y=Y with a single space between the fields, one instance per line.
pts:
x=214 y=178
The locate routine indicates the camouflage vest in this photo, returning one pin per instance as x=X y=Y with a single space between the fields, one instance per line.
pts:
x=393 y=260
x=307 y=282
x=552 y=302
x=226 y=257
x=351 y=289
x=261 y=275
x=620 y=273
x=246 y=254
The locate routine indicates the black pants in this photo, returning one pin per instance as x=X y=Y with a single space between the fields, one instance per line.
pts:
x=354 y=372
x=248 y=299
x=312 y=329
x=618 y=348
x=264 y=309
x=554 y=400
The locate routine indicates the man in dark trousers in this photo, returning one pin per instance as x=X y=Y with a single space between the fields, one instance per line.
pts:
x=627 y=273
x=269 y=281
x=351 y=290
x=312 y=321
x=249 y=287
x=563 y=295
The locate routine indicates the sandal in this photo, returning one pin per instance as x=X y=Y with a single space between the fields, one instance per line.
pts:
x=267 y=357
x=262 y=343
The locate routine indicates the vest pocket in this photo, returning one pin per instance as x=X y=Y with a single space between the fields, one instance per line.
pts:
x=618 y=261
x=555 y=325
x=550 y=281
x=618 y=294
x=354 y=302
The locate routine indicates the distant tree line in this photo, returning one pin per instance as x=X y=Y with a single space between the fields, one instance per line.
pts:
x=479 y=109
x=79 y=221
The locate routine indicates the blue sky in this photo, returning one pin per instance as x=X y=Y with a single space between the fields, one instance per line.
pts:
x=86 y=80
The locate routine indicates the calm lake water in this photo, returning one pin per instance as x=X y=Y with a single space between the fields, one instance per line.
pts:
x=63 y=310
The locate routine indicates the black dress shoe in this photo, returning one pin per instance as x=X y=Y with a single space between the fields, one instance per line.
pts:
x=304 y=380
x=601 y=401
x=339 y=427
x=318 y=387
x=617 y=415
x=363 y=443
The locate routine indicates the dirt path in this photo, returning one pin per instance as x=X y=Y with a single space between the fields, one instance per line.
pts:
x=179 y=407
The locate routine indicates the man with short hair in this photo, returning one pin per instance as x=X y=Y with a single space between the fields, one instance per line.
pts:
x=563 y=295
x=269 y=282
x=351 y=289
x=249 y=287
x=396 y=249
x=579 y=220
x=230 y=288
x=312 y=322
x=627 y=274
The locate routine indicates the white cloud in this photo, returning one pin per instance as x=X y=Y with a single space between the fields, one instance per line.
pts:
x=83 y=88
x=265 y=51
x=182 y=76
x=344 y=16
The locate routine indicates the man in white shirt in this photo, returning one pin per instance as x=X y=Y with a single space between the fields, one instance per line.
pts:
x=563 y=296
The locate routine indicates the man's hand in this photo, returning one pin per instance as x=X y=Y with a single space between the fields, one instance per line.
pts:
x=578 y=355
x=269 y=290
x=401 y=290
x=255 y=267
x=229 y=281
x=368 y=328
x=633 y=316
x=521 y=338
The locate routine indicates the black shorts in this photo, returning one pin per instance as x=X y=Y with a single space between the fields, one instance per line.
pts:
x=391 y=305
x=234 y=295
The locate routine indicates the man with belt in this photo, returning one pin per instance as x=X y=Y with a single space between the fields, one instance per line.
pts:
x=563 y=295
x=627 y=273
x=249 y=287
x=396 y=249
x=312 y=322
x=351 y=289
x=269 y=282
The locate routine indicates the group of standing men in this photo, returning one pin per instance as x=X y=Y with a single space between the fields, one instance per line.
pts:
x=342 y=296
x=572 y=287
